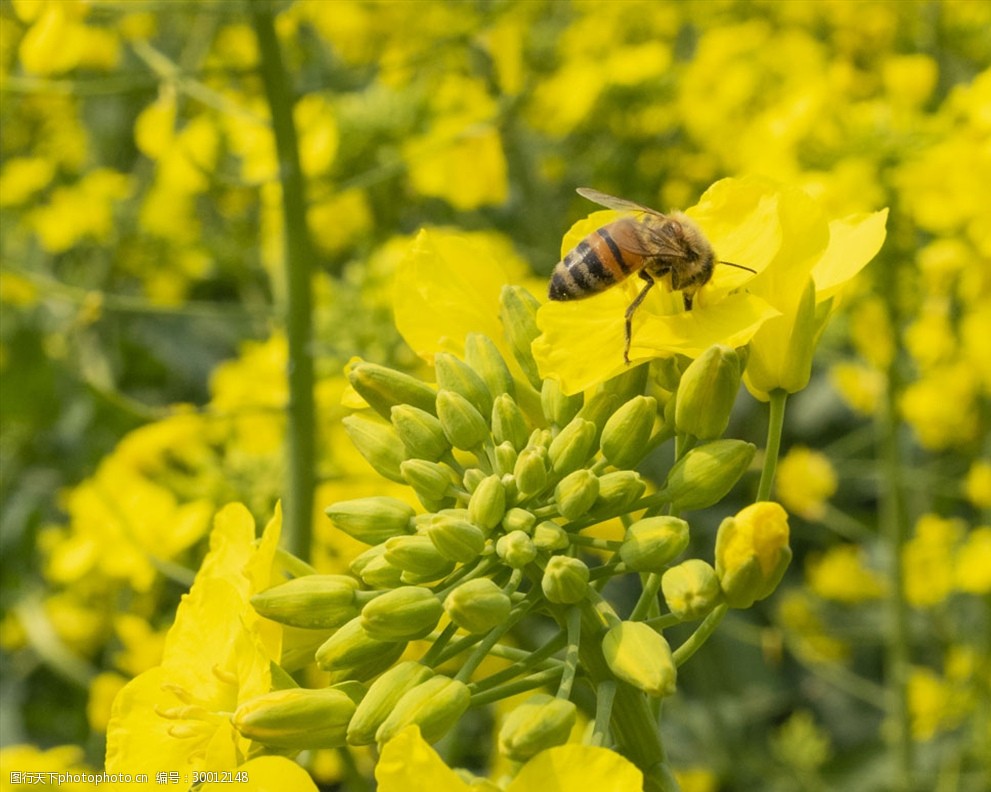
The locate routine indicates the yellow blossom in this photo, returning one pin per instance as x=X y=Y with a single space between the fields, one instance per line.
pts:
x=973 y=562
x=928 y=560
x=102 y=690
x=799 y=615
x=934 y=704
x=805 y=481
x=977 y=485
x=861 y=387
x=82 y=210
x=941 y=406
x=22 y=177
x=840 y=574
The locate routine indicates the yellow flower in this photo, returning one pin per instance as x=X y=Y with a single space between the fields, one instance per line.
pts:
x=752 y=553
x=83 y=210
x=934 y=704
x=267 y=774
x=806 y=480
x=942 y=406
x=22 y=177
x=977 y=485
x=840 y=574
x=928 y=560
x=973 y=562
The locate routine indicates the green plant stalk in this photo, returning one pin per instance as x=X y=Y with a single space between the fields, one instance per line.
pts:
x=298 y=531
x=775 y=425
x=701 y=635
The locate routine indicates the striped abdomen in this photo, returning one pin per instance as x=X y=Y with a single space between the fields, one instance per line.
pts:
x=596 y=263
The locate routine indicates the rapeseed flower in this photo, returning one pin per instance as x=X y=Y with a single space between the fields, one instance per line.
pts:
x=805 y=482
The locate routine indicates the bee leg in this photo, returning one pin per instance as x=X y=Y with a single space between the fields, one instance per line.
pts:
x=688 y=300
x=633 y=307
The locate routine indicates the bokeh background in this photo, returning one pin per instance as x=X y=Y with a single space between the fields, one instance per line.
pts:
x=143 y=349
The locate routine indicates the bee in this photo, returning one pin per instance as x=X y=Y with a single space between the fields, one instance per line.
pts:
x=653 y=245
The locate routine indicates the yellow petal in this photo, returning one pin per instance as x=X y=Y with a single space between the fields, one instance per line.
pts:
x=853 y=241
x=570 y=767
x=268 y=774
x=409 y=764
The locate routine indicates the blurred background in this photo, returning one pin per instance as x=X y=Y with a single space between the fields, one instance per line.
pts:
x=143 y=348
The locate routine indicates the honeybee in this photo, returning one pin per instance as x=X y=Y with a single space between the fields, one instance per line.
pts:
x=653 y=245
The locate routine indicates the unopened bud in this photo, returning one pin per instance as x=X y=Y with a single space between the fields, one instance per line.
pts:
x=706 y=473
x=456 y=375
x=505 y=458
x=478 y=605
x=575 y=493
x=516 y=549
x=420 y=432
x=372 y=520
x=403 y=614
x=572 y=447
x=297 y=718
x=430 y=480
x=418 y=556
x=463 y=425
x=626 y=434
x=518 y=313
x=472 y=478
x=653 y=542
x=312 y=601
x=530 y=472
x=374 y=570
x=378 y=443
x=707 y=391
x=691 y=589
x=632 y=381
x=457 y=540
x=550 y=536
x=483 y=356
x=488 y=503
x=558 y=408
x=598 y=410
x=518 y=520
x=350 y=653
x=618 y=491
x=435 y=706
x=752 y=553
x=565 y=580
x=508 y=422
x=540 y=722
x=640 y=656
x=383 y=388
x=381 y=699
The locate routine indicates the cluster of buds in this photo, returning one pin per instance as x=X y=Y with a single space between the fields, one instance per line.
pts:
x=510 y=471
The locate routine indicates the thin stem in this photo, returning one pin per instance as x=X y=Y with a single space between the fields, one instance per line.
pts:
x=574 y=623
x=700 y=636
x=605 y=695
x=776 y=422
x=299 y=302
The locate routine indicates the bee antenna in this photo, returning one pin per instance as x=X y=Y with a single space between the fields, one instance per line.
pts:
x=739 y=266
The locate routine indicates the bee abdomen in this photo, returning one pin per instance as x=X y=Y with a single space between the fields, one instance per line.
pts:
x=595 y=264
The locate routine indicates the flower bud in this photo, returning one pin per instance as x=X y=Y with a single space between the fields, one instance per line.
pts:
x=618 y=491
x=631 y=382
x=650 y=544
x=487 y=504
x=505 y=458
x=483 y=356
x=706 y=473
x=378 y=443
x=707 y=391
x=565 y=580
x=435 y=706
x=312 y=601
x=508 y=422
x=558 y=408
x=540 y=722
x=455 y=375
x=626 y=434
x=550 y=536
x=752 y=553
x=598 y=410
x=374 y=570
x=463 y=426
x=691 y=589
x=456 y=540
x=478 y=605
x=381 y=699
x=518 y=313
x=350 y=653
x=297 y=718
x=575 y=493
x=383 y=388
x=637 y=654
x=372 y=520
x=518 y=520
x=530 y=472
x=403 y=614
x=418 y=556
x=473 y=477
x=572 y=447
x=420 y=432
x=430 y=481
x=516 y=549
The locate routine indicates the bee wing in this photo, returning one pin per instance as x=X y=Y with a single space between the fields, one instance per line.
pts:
x=612 y=202
x=652 y=241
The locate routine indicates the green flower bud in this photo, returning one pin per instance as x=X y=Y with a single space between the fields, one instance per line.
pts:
x=381 y=699
x=518 y=313
x=373 y=570
x=378 y=443
x=350 y=653
x=420 y=432
x=487 y=504
x=540 y=722
x=435 y=706
x=403 y=614
x=667 y=371
x=565 y=580
x=706 y=473
x=626 y=434
x=463 y=426
x=430 y=480
x=456 y=540
x=575 y=493
x=417 y=555
x=650 y=544
x=312 y=601
x=558 y=408
x=707 y=392
x=455 y=375
x=691 y=589
x=598 y=410
x=383 y=388
x=530 y=472
x=752 y=553
x=640 y=656
x=372 y=520
x=508 y=422
x=618 y=491
x=550 y=536
x=483 y=356
x=473 y=477
x=631 y=382
x=516 y=549
x=478 y=606
x=505 y=458
x=296 y=718
x=572 y=447
x=518 y=520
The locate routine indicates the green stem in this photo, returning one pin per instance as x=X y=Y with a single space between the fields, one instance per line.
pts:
x=574 y=620
x=700 y=636
x=776 y=422
x=298 y=309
